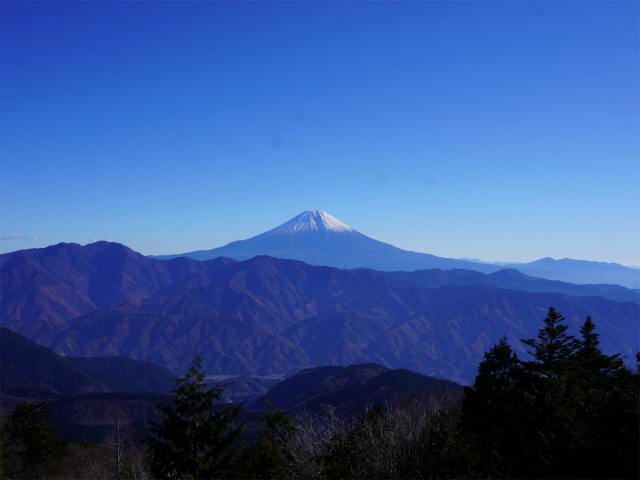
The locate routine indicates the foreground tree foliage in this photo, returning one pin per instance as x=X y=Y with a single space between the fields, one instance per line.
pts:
x=29 y=444
x=267 y=457
x=31 y=449
x=414 y=439
x=570 y=412
x=567 y=411
x=191 y=440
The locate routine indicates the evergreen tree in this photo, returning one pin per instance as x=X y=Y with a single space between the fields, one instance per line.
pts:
x=490 y=410
x=552 y=349
x=548 y=419
x=267 y=457
x=570 y=412
x=591 y=364
x=30 y=441
x=606 y=400
x=191 y=440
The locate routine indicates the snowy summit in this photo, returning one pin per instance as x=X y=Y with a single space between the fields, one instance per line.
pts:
x=312 y=220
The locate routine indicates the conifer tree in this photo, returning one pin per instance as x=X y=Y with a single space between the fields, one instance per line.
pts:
x=549 y=420
x=266 y=457
x=191 y=440
x=491 y=409
x=553 y=348
x=31 y=437
x=606 y=400
x=570 y=412
x=590 y=361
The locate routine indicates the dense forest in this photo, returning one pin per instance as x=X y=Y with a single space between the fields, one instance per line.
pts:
x=566 y=411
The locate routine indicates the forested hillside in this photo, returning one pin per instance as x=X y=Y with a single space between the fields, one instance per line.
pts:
x=564 y=410
x=267 y=316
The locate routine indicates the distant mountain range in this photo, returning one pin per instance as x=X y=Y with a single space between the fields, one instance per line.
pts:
x=317 y=238
x=274 y=316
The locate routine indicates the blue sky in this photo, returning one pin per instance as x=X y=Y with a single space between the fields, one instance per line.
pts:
x=504 y=131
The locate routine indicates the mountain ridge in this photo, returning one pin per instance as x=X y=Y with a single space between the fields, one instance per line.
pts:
x=354 y=387
x=317 y=238
x=342 y=247
x=272 y=316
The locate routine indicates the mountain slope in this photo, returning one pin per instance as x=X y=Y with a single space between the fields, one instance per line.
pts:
x=63 y=281
x=354 y=387
x=317 y=238
x=581 y=271
x=271 y=316
x=515 y=280
x=25 y=364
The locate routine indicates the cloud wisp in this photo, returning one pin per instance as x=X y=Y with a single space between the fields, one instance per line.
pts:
x=12 y=236
x=18 y=236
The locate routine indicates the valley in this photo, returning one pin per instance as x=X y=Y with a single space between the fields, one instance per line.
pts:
x=100 y=332
x=268 y=316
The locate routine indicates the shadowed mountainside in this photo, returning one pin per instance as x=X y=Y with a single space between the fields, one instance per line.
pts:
x=60 y=282
x=270 y=316
x=87 y=394
x=354 y=387
x=27 y=368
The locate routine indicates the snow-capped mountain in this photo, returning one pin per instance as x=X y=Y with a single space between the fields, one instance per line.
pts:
x=317 y=238
x=311 y=221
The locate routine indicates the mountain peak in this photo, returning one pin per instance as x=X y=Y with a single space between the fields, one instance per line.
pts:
x=312 y=220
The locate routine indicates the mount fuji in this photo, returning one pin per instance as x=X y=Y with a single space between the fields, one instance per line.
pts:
x=317 y=238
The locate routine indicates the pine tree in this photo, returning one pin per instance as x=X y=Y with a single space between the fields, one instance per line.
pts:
x=595 y=366
x=266 y=457
x=490 y=410
x=191 y=440
x=606 y=399
x=552 y=349
x=31 y=437
x=570 y=412
x=549 y=421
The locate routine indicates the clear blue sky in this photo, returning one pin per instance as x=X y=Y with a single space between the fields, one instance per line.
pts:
x=504 y=131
